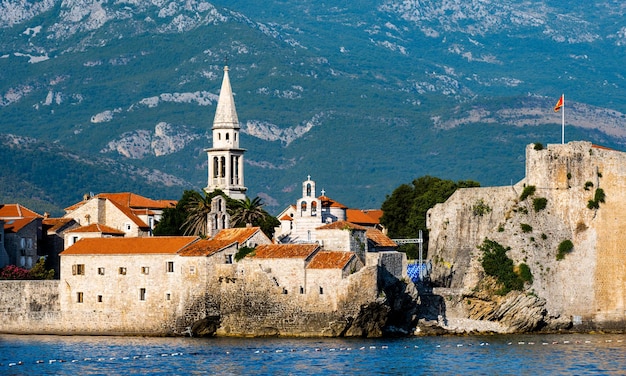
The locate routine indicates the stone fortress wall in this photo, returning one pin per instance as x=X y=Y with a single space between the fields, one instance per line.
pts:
x=589 y=284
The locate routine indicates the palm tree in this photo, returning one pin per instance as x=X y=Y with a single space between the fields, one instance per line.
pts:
x=198 y=209
x=247 y=212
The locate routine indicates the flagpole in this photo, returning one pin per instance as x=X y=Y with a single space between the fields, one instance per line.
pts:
x=563 y=120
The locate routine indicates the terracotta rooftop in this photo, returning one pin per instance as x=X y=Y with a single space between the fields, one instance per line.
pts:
x=15 y=225
x=330 y=260
x=96 y=227
x=362 y=217
x=379 y=239
x=341 y=225
x=15 y=211
x=205 y=247
x=129 y=200
x=286 y=218
x=268 y=251
x=239 y=234
x=329 y=202
x=130 y=246
x=128 y=212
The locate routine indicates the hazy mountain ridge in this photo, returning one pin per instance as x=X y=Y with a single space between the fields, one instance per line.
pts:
x=362 y=96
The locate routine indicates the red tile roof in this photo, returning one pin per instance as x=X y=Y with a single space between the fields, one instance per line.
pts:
x=239 y=234
x=17 y=211
x=15 y=225
x=270 y=251
x=130 y=246
x=96 y=227
x=359 y=216
x=205 y=247
x=330 y=260
x=128 y=212
x=341 y=225
x=286 y=218
x=329 y=202
x=129 y=200
x=379 y=239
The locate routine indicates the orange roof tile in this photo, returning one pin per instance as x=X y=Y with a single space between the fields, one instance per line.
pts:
x=136 y=201
x=359 y=216
x=330 y=260
x=379 y=239
x=96 y=227
x=130 y=246
x=286 y=218
x=17 y=211
x=269 y=251
x=129 y=213
x=341 y=225
x=329 y=202
x=15 y=225
x=238 y=234
x=205 y=247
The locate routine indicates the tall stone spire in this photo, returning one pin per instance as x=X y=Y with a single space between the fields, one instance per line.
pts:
x=225 y=157
x=226 y=114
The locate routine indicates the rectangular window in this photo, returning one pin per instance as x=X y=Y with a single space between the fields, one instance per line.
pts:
x=229 y=259
x=170 y=267
x=127 y=225
x=145 y=270
x=168 y=296
x=74 y=239
x=122 y=270
x=78 y=269
x=192 y=269
x=100 y=271
x=142 y=294
x=301 y=290
x=99 y=298
x=321 y=290
x=79 y=297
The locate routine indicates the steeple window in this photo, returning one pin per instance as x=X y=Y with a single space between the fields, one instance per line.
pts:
x=303 y=207
x=308 y=190
x=223 y=167
x=314 y=208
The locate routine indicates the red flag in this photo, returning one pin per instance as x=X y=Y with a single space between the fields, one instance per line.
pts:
x=559 y=104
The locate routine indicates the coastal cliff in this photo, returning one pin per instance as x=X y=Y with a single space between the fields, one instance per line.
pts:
x=563 y=224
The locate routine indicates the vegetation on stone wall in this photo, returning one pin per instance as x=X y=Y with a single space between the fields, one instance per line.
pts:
x=565 y=248
x=496 y=263
x=529 y=190
x=480 y=208
x=526 y=227
x=405 y=209
x=540 y=203
x=538 y=146
x=588 y=185
x=598 y=198
x=243 y=252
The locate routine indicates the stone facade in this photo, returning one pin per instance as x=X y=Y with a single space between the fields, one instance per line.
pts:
x=588 y=285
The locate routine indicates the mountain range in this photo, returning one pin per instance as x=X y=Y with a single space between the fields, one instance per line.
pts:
x=365 y=95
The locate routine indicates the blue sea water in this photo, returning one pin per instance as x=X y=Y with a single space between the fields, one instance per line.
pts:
x=575 y=354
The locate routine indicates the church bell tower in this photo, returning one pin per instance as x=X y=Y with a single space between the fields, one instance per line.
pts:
x=225 y=157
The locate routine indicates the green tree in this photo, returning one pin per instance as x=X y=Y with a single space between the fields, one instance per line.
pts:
x=250 y=212
x=404 y=211
x=171 y=223
x=39 y=270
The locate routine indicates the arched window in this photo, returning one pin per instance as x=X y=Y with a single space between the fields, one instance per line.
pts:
x=216 y=167
x=224 y=221
x=227 y=137
x=219 y=136
x=303 y=207
x=308 y=190
x=313 y=208
x=223 y=169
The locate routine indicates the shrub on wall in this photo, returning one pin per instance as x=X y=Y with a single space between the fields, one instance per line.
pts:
x=526 y=227
x=539 y=203
x=538 y=146
x=565 y=247
x=497 y=264
x=480 y=208
x=528 y=191
x=598 y=198
x=243 y=252
x=525 y=274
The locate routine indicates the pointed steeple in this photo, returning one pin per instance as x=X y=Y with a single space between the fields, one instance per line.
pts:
x=226 y=114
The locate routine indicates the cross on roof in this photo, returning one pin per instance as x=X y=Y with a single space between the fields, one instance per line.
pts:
x=308 y=177
x=323 y=192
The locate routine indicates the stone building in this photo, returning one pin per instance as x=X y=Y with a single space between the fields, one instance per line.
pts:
x=130 y=213
x=20 y=236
